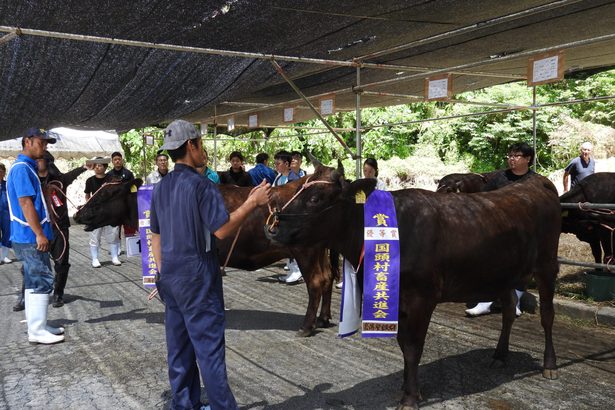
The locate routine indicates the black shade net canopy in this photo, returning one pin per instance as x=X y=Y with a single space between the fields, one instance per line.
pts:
x=127 y=64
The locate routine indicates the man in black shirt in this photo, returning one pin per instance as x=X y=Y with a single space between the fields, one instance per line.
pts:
x=236 y=174
x=119 y=172
x=111 y=233
x=520 y=156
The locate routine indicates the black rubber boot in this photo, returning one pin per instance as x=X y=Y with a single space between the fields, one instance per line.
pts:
x=60 y=284
x=21 y=302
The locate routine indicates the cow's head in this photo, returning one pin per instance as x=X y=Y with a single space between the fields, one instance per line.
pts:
x=314 y=210
x=114 y=204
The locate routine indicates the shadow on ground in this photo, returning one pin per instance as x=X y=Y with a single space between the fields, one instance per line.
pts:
x=444 y=379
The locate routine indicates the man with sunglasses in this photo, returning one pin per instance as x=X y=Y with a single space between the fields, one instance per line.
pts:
x=31 y=233
x=520 y=156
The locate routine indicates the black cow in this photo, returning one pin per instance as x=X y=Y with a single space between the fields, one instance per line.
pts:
x=115 y=204
x=472 y=182
x=454 y=248
x=590 y=226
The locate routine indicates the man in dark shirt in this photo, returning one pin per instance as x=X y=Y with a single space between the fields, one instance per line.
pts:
x=111 y=233
x=187 y=214
x=580 y=167
x=520 y=156
x=236 y=174
x=55 y=184
x=119 y=172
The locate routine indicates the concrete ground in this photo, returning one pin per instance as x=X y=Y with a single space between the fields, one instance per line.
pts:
x=114 y=356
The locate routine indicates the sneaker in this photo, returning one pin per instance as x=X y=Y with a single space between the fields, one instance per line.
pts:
x=482 y=308
x=294 y=277
x=116 y=262
x=6 y=260
x=518 y=311
x=339 y=285
x=95 y=263
x=283 y=278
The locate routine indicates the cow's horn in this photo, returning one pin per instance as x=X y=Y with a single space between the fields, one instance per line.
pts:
x=313 y=159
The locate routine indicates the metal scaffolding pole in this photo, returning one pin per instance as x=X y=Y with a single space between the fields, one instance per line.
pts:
x=314 y=110
x=534 y=126
x=358 y=127
x=215 y=164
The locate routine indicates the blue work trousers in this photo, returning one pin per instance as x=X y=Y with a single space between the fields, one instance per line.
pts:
x=36 y=267
x=194 y=323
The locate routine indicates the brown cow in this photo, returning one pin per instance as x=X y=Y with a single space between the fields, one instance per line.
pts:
x=115 y=205
x=454 y=248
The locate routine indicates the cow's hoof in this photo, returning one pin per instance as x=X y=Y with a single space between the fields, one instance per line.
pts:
x=304 y=333
x=550 y=374
x=497 y=364
x=323 y=324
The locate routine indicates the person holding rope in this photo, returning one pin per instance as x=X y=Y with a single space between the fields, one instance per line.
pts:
x=111 y=233
x=55 y=184
x=30 y=235
x=187 y=214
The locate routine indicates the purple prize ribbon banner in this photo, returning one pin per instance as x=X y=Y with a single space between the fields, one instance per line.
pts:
x=148 y=264
x=380 y=266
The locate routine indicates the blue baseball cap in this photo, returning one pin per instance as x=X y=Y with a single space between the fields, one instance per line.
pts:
x=39 y=133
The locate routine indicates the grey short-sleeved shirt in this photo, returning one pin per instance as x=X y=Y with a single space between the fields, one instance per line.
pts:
x=578 y=169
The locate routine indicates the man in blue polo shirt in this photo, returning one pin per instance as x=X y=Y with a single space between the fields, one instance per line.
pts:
x=30 y=234
x=187 y=214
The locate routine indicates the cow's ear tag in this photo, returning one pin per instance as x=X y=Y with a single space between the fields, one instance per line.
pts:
x=133 y=189
x=359 y=197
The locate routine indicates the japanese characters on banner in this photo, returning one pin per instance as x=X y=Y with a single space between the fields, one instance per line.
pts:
x=380 y=266
x=545 y=68
x=148 y=264
x=439 y=88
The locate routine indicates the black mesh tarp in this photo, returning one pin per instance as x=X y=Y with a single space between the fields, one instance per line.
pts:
x=57 y=82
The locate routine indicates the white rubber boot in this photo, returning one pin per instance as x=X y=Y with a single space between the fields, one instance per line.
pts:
x=518 y=308
x=36 y=306
x=50 y=329
x=481 y=309
x=114 y=248
x=294 y=275
x=94 y=253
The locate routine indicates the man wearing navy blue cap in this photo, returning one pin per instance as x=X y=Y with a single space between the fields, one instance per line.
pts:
x=187 y=214
x=30 y=234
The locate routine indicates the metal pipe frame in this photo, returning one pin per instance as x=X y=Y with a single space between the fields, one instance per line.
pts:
x=225 y=53
x=585 y=206
x=358 y=128
x=8 y=37
x=280 y=71
x=565 y=261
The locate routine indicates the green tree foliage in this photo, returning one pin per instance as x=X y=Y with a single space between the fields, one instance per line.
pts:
x=480 y=141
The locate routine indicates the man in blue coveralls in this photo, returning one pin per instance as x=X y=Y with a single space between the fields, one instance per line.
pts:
x=30 y=234
x=187 y=211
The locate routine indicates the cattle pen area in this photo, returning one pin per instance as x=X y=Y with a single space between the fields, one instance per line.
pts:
x=114 y=355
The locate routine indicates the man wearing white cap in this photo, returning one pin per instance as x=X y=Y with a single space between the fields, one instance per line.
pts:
x=580 y=167
x=187 y=214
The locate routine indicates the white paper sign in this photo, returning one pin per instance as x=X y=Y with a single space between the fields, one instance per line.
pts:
x=545 y=69
x=253 y=121
x=326 y=107
x=437 y=89
x=230 y=124
x=149 y=140
x=289 y=114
